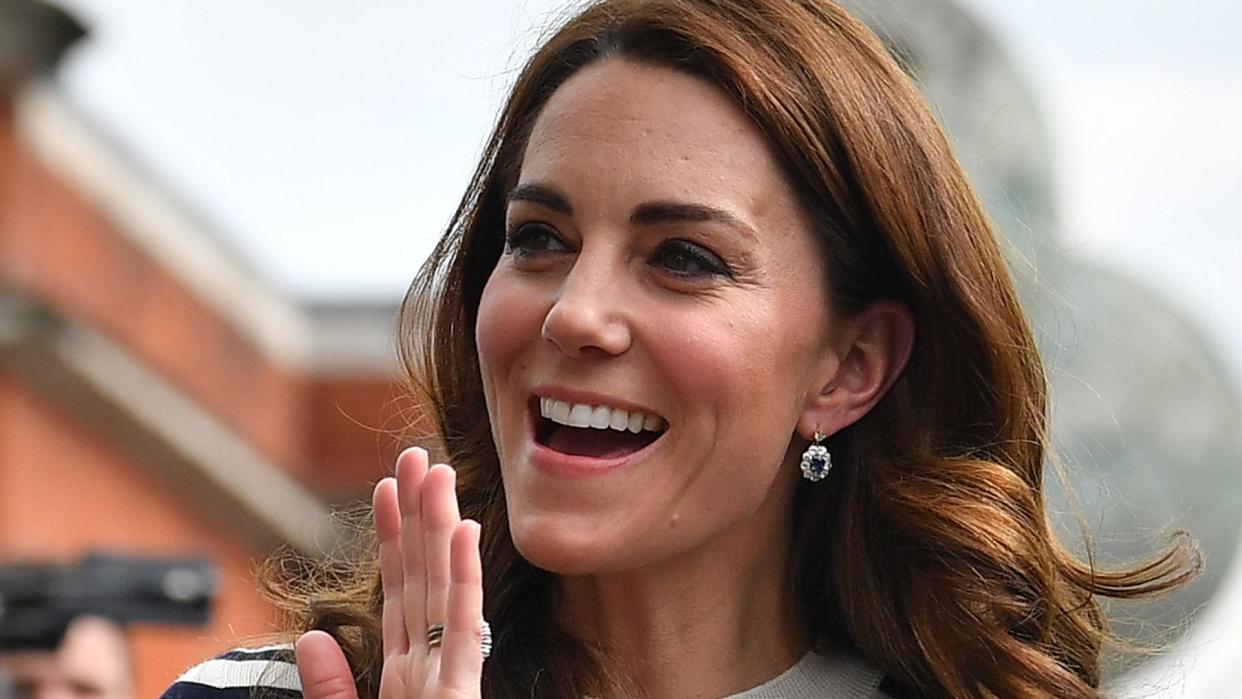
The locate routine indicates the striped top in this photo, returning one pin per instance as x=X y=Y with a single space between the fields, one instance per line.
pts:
x=244 y=673
x=270 y=673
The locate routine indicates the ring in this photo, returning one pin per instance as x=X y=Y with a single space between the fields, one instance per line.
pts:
x=435 y=635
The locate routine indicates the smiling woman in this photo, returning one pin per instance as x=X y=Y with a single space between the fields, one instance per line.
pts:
x=708 y=236
x=657 y=274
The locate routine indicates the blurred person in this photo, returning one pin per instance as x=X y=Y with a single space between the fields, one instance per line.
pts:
x=91 y=662
x=737 y=395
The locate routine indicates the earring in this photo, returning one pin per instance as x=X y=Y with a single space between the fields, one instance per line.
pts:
x=815 y=460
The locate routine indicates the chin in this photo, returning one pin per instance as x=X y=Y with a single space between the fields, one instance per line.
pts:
x=559 y=546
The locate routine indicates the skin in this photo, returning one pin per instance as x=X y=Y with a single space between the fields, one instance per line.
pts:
x=612 y=309
x=429 y=562
x=678 y=560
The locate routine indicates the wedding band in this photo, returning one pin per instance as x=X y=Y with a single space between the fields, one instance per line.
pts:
x=435 y=635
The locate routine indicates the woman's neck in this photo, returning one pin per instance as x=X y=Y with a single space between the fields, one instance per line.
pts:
x=713 y=622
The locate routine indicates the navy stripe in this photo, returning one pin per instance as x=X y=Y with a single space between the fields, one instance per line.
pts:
x=193 y=690
x=284 y=654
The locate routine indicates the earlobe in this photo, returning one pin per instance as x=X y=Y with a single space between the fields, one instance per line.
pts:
x=873 y=351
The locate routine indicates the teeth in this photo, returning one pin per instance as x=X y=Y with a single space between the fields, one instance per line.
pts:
x=580 y=415
x=635 y=423
x=600 y=417
x=619 y=420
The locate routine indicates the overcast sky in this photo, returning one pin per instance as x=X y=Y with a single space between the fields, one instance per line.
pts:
x=328 y=142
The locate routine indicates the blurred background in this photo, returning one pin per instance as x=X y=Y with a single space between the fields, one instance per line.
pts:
x=209 y=211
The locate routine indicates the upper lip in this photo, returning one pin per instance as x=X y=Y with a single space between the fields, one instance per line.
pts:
x=575 y=396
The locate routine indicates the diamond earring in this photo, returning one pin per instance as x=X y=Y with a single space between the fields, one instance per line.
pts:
x=815 y=460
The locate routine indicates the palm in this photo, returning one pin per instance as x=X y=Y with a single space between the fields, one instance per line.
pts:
x=429 y=562
x=408 y=676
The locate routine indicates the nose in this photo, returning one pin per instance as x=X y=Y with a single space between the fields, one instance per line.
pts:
x=588 y=315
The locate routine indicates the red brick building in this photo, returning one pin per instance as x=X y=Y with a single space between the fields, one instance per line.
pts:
x=157 y=396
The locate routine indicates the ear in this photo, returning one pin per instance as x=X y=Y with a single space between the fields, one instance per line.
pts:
x=868 y=354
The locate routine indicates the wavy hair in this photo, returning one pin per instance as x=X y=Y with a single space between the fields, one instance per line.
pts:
x=928 y=549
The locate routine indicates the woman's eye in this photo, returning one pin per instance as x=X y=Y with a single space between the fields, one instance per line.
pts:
x=685 y=259
x=532 y=239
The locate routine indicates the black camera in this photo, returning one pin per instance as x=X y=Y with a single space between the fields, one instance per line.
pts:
x=38 y=601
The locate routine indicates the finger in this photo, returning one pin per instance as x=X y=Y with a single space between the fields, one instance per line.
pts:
x=461 y=661
x=322 y=666
x=411 y=470
x=387 y=514
x=440 y=518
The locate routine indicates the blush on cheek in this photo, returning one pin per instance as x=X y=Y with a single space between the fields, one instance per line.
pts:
x=745 y=377
x=691 y=350
x=509 y=321
x=486 y=327
x=716 y=363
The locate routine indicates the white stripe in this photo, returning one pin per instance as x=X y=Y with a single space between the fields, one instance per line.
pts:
x=222 y=674
x=263 y=649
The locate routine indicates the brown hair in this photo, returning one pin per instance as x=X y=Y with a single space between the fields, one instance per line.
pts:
x=927 y=550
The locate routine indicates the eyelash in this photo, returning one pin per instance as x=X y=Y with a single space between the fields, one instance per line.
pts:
x=527 y=240
x=518 y=240
x=711 y=265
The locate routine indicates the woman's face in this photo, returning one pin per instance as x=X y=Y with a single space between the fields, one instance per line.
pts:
x=657 y=263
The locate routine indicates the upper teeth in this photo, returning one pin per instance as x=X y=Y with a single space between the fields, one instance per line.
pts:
x=600 y=417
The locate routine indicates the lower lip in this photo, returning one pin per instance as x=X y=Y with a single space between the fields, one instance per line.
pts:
x=561 y=465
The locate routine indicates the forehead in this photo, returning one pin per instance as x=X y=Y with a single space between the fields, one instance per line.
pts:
x=649 y=127
x=665 y=107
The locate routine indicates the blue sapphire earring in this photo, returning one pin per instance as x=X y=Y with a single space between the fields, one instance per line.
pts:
x=815 y=460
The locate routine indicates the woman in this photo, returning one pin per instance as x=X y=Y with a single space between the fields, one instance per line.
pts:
x=707 y=237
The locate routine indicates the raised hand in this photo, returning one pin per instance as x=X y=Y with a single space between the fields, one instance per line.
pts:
x=432 y=574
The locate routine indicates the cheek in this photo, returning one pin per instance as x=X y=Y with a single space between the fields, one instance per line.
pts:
x=730 y=360
x=741 y=377
x=507 y=320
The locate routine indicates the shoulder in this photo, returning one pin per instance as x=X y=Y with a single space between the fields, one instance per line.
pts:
x=849 y=674
x=242 y=673
x=837 y=674
x=840 y=674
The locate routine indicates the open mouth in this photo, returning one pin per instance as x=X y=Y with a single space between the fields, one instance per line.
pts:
x=597 y=431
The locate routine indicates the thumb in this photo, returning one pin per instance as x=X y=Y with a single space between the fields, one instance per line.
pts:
x=322 y=666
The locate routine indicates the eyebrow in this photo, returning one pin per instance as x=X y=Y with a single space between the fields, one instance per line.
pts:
x=655 y=213
x=647 y=214
x=543 y=196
